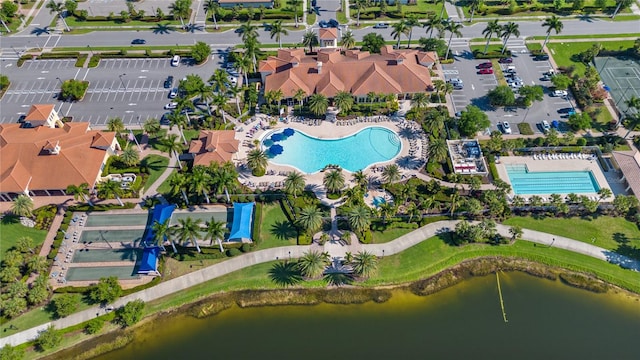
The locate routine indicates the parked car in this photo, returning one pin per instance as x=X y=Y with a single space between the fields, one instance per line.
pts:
x=546 y=77
x=541 y=57
x=506 y=127
x=455 y=81
x=323 y=24
x=485 y=71
x=138 y=41
x=506 y=60
x=173 y=93
x=171 y=105
x=516 y=84
x=232 y=80
x=485 y=65
x=333 y=23
x=559 y=93
x=169 y=82
x=545 y=126
x=175 y=61
x=381 y=26
x=513 y=78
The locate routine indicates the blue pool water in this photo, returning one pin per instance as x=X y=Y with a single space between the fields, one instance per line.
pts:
x=525 y=182
x=355 y=152
x=378 y=200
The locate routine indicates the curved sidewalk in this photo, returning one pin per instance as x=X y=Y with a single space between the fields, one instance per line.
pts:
x=402 y=243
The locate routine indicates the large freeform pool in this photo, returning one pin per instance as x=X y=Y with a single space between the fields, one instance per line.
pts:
x=355 y=152
x=525 y=182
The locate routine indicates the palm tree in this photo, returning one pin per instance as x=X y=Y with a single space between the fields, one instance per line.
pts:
x=493 y=28
x=161 y=233
x=212 y=6
x=347 y=41
x=277 y=30
x=364 y=264
x=224 y=178
x=433 y=22
x=604 y=193
x=58 y=8
x=243 y=63
x=344 y=101
x=294 y=184
x=411 y=22
x=313 y=263
x=412 y=210
x=386 y=209
x=437 y=149
x=152 y=127
x=399 y=28
x=220 y=80
x=420 y=100
x=318 y=104
x=552 y=23
x=178 y=183
x=454 y=29
x=442 y=10
x=129 y=156
x=116 y=125
x=391 y=173
x=359 y=218
x=509 y=29
x=79 y=191
x=473 y=6
x=257 y=161
x=310 y=219
x=619 y=5
x=516 y=232
x=172 y=146
x=299 y=96
x=22 y=205
x=189 y=230
x=310 y=39
x=252 y=50
x=109 y=188
x=176 y=119
x=295 y=4
x=216 y=230
x=199 y=181
x=248 y=31
x=180 y=9
x=454 y=202
x=333 y=181
x=360 y=5
x=360 y=178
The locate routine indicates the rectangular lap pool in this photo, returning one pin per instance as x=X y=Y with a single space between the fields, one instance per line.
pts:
x=525 y=182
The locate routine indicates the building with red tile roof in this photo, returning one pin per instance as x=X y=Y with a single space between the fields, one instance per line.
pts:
x=213 y=146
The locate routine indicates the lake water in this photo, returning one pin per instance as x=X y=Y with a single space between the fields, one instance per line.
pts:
x=546 y=319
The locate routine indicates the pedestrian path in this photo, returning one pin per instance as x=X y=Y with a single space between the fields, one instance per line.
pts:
x=288 y=252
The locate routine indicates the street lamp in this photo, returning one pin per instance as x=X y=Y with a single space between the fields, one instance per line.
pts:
x=122 y=81
x=60 y=81
x=89 y=47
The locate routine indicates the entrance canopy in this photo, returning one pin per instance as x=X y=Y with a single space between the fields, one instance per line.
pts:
x=242 y=221
x=149 y=262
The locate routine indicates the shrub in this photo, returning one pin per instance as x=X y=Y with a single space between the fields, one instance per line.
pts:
x=233 y=252
x=581 y=142
x=304 y=238
x=131 y=313
x=245 y=248
x=525 y=128
x=48 y=339
x=64 y=305
x=94 y=326
x=74 y=89
x=365 y=237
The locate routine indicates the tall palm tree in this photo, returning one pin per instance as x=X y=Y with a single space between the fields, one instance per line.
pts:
x=454 y=29
x=411 y=22
x=205 y=95
x=493 y=28
x=360 y=5
x=619 y=5
x=152 y=127
x=129 y=156
x=299 y=96
x=257 y=161
x=116 y=125
x=219 y=80
x=443 y=4
x=318 y=104
x=190 y=230
x=79 y=191
x=277 y=30
x=180 y=10
x=310 y=219
x=437 y=149
x=391 y=173
x=294 y=184
x=509 y=29
x=420 y=100
x=216 y=230
x=347 y=41
x=399 y=28
x=310 y=39
x=333 y=181
x=364 y=264
x=172 y=146
x=313 y=263
x=22 y=206
x=199 y=181
x=211 y=7
x=604 y=193
x=179 y=183
x=473 y=6
x=109 y=188
x=360 y=178
x=58 y=8
x=359 y=218
x=224 y=178
x=433 y=23
x=235 y=91
x=243 y=63
x=176 y=119
x=252 y=50
x=248 y=31
x=412 y=210
x=295 y=4
x=344 y=101
x=219 y=101
x=552 y=23
x=454 y=202
x=386 y=209
x=161 y=233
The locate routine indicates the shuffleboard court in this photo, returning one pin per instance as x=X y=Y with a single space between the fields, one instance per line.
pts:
x=105 y=255
x=95 y=273
x=225 y=215
x=95 y=220
x=120 y=236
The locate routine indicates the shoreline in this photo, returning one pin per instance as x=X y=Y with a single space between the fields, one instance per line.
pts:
x=213 y=304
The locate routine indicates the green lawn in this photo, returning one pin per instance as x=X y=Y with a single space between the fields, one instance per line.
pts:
x=157 y=165
x=380 y=237
x=562 y=52
x=276 y=230
x=11 y=230
x=609 y=232
x=164 y=188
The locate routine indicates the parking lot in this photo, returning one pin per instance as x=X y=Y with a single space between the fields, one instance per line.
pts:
x=131 y=89
x=476 y=87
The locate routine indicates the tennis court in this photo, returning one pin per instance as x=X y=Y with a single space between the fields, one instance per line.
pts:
x=132 y=236
x=133 y=219
x=105 y=255
x=622 y=77
x=225 y=215
x=95 y=273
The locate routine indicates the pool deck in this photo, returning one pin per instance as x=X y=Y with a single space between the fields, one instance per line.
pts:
x=553 y=165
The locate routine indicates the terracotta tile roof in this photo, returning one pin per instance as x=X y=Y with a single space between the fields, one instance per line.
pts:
x=241 y=1
x=358 y=72
x=24 y=159
x=629 y=162
x=427 y=57
x=328 y=34
x=39 y=112
x=213 y=146
x=101 y=140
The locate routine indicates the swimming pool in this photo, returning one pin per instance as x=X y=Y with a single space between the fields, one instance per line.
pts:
x=525 y=182
x=355 y=152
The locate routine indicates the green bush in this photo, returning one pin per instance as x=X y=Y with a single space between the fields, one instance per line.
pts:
x=245 y=248
x=365 y=237
x=94 y=61
x=581 y=142
x=233 y=252
x=493 y=170
x=94 y=326
x=304 y=238
x=82 y=58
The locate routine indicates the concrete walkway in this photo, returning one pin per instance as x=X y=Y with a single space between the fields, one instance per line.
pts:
x=289 y=252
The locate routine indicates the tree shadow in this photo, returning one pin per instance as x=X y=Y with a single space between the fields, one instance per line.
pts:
x=10 y=219
x=629 y=251
x=194 y=27
x=285 y=274
x=409 y=162
x=162 y=29
x=283 y=230
x=447 y=236
x=40 y=31
x=620 y=238
x=408 y=133
x=154 y=165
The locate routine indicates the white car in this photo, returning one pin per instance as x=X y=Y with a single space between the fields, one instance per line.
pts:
x=545 y=126
x=171 y=105
x=516 y=84
x=560 y=93
x=173 y=93
x=175 y=61
x=232 y=80
x=506 y=127
x=455 y=81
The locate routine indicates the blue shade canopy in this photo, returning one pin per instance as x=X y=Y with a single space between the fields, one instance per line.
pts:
x=276 y=137
x=160 y=214
x=276 y=149
x=149 y=260
x=288 y=132
x=267 y=142
x=242 y=221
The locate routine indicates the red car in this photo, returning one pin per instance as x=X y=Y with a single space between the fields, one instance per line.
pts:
x=485 y=71
x=485 y=65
